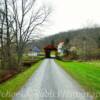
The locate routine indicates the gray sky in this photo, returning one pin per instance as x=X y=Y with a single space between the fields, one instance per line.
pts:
x=72 y=14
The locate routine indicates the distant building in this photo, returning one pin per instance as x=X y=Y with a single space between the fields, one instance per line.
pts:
x=60 y=48
x=35 y=51
x=48 y=50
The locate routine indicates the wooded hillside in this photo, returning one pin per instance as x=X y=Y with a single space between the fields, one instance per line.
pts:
x=86 y=40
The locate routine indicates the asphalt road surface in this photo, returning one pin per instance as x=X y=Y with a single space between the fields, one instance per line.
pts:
x=50 y=82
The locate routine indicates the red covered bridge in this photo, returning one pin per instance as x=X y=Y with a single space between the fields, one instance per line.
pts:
x=48 y=50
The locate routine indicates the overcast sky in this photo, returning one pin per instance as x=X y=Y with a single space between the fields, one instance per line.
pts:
x=72 y=14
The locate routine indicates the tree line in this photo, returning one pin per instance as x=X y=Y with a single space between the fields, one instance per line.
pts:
x=85 y=40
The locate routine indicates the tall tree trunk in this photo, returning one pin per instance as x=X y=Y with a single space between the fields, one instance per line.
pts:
x=2 y=53
x=8 y=42
x=2 y=48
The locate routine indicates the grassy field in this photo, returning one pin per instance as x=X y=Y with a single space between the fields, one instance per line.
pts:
x=86 y=73
x=9 y=88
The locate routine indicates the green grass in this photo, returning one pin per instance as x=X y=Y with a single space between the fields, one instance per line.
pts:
x=26 y=57
x=86 y=73
x=14 y=84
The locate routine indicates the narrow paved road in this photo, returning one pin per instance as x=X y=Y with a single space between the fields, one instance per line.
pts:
x=50 y=82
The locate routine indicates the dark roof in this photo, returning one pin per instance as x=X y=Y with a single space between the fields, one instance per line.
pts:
x=50 y=47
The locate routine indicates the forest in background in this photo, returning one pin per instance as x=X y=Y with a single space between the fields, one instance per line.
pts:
x=86 y=41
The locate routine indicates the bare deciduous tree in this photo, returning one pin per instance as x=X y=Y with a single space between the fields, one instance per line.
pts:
x=26 y=21
x=20 y=19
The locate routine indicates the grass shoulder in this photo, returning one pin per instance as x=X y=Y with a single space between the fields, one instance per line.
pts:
x=9 y=88
x=86 y=73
